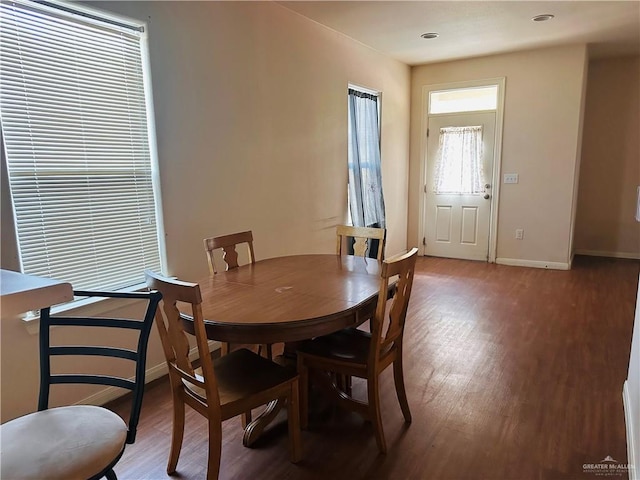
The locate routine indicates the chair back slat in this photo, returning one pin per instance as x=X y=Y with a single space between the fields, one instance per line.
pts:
x=94 y=380
x=138 y=356
x=171 y=331
x=228 y=245
x=191 y=378
x=363 y=237
x=97 y=322
x=389 y=320
x=95 y=351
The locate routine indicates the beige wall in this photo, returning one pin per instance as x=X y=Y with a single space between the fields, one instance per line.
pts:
x=610 y=173
x=251 y=119
x=541 y=139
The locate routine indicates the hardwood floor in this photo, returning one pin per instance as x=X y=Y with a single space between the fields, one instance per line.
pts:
x=511 y=373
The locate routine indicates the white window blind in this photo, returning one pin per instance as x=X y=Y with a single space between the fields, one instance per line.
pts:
x=74 y=112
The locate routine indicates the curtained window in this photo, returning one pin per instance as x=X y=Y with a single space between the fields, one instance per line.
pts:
x=78 y=133
x=366 y=201
x=458 y=166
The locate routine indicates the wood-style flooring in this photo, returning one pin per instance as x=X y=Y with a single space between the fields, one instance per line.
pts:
x=511 y=373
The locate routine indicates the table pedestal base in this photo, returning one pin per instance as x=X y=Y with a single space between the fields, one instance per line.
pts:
x=253 y=431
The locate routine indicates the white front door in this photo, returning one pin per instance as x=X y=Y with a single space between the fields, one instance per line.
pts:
x=459 y=166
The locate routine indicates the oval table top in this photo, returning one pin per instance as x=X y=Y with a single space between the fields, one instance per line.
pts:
x=291 y=298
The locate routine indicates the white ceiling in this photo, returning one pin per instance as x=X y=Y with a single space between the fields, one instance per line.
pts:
x=476 y=28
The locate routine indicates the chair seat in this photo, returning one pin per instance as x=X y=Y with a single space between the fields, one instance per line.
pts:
x=243 y=373
x=350 y=345
x=64 y=443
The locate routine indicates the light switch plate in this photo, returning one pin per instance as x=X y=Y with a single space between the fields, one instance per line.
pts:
x=510 y=178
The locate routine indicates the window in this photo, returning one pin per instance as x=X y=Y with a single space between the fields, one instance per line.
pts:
x=458 y=168
x=75 y=112
x=473 y=99
x=366 y=202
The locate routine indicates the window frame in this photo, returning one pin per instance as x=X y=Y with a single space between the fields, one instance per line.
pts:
x=94 y=16
x=490 y=86
x=501 y=82
x=378 y=94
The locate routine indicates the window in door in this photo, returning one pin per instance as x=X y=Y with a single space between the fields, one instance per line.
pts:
x=458 y=168
x=76 y=116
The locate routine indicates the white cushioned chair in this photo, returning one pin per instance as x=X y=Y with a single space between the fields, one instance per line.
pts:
x=78 y=442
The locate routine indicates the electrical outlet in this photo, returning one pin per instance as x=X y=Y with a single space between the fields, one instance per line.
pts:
x=510 y=178
x=519 y=233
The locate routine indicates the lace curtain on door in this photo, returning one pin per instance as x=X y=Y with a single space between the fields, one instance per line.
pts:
x=458 y=166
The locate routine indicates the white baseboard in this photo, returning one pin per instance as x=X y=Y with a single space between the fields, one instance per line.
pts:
x=634 y=468
x=111 y=393
x=516 y=262
x=597 y=253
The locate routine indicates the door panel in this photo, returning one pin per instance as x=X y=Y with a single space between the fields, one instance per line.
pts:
x=457 y=221
x=443 y=223
x=469 y=229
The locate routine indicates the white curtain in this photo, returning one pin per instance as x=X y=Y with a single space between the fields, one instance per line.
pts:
x=366 y=201
x=458 y=166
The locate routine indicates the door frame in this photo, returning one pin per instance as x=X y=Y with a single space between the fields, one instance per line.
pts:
x=497 y=155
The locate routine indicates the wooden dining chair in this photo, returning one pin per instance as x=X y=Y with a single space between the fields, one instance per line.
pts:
x=228 y=244
x=357 y=353
x=79 y=441
x=363 y=237
x=219 y=389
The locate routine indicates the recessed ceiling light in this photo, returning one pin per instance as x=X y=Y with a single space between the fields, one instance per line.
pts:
x=430 y=35
x=543 y=18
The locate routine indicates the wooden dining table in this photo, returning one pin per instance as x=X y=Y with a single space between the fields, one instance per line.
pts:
x=287 y=299
x=291 y=298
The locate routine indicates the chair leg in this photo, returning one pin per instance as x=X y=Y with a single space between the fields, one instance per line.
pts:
x=177 y=434
x=343 y=382
x=246 y=418
x=267 y=349
x=224 y=348
x=111 y=475
x=303 y=373
x=375 y=414
x=215 y=448
x=398 y=378
x=293 y=418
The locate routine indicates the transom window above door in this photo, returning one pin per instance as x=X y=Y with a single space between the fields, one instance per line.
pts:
x=474 y=99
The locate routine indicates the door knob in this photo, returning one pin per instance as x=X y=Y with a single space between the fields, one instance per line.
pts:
x=487 y=196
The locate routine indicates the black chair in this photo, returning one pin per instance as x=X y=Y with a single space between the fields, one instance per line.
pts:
x=79 y=441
